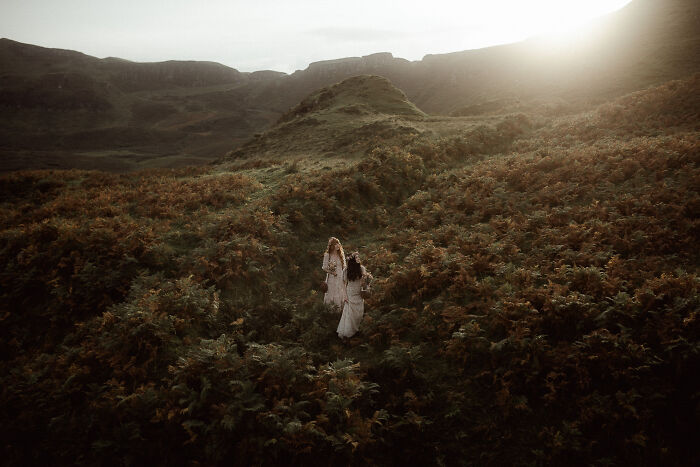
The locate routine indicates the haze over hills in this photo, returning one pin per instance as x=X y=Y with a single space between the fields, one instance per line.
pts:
x=65 y=109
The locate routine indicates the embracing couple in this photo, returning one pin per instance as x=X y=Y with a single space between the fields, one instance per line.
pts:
x=347 y=285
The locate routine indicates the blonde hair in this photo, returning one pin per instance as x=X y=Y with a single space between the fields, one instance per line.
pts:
x=332 y=241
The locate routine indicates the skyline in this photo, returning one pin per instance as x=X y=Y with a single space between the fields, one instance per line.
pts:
x=265 y=35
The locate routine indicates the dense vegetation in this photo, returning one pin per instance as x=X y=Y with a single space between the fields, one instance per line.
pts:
x=536 y=302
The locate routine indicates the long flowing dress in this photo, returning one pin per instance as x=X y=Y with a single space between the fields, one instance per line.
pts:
x=336 y=287
x=354 y=309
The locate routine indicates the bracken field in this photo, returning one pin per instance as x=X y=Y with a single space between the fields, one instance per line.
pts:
x=535 y=303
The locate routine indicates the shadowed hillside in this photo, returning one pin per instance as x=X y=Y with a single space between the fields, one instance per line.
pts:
x=63 y=109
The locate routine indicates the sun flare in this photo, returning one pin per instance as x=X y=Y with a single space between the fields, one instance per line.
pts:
x=560 y=18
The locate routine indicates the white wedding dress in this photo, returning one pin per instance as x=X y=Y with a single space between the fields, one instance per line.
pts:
x=354 y=310
x=336 y=287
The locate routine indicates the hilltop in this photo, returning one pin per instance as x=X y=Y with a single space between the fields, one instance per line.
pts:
x=360 y=94
x=347 y=118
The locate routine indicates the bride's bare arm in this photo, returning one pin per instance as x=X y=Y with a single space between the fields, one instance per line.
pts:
x=345 y=285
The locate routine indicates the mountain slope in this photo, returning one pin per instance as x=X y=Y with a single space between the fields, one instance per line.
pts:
x=63 y=109
x=346 y=118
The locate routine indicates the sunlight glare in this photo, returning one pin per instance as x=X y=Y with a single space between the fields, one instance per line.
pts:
x=557 y=17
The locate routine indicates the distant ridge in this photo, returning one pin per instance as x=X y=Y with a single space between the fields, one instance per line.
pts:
x=19 y=58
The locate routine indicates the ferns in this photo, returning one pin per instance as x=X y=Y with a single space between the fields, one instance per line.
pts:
x=529 y=308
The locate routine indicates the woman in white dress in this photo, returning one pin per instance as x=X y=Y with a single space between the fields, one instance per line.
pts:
x=354 y=305
x=334 y=264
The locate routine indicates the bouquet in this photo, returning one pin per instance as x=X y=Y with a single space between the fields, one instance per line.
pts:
x=332 y=266
x=366 y=291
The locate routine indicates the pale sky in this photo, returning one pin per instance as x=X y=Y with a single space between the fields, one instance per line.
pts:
x=281 y=35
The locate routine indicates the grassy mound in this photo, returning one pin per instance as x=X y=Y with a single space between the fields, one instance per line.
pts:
x=348 y=118
x=356 y=96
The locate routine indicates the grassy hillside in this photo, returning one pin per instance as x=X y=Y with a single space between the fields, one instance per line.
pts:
x=536 y=300
x=64 y=109
x=346 y=119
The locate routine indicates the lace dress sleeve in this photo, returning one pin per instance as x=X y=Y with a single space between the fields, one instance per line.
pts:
x=366 y=277
x=325 y=262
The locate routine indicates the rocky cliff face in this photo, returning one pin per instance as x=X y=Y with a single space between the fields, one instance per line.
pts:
x=130 y=76
x=353 y=65
x=291 y=89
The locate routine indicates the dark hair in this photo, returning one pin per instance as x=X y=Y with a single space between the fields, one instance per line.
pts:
x=354 y=267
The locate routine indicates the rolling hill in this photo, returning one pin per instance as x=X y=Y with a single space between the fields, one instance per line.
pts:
x=347 y=118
